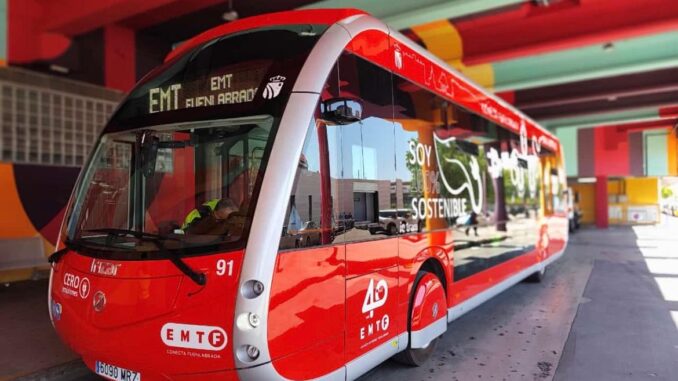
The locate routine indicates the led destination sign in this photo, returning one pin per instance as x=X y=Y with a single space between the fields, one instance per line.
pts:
x=231 y=87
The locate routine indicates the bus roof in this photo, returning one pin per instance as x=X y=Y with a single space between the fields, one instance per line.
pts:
x=305 y=16
x=496 y=107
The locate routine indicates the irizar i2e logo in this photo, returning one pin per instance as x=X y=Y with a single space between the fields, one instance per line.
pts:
x=273 y=88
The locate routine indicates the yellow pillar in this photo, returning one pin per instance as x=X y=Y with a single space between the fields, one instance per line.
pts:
x=672 y=142
x=442 y=39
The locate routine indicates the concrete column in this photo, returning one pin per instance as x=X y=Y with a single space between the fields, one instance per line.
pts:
x=119 y=57
x=601 y=202
x=4 y=26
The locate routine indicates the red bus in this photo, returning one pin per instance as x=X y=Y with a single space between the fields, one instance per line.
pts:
x=299 y=195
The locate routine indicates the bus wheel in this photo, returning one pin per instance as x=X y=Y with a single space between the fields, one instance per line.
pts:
x=427 y=319
x=392 y=230
x=537 y=277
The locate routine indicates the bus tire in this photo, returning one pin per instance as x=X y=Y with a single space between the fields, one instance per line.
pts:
x=537 y=277
x=419 y=356
x=392 y=230
x=416 y=357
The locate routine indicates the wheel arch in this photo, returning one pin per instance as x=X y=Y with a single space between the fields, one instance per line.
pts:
x=433 y=265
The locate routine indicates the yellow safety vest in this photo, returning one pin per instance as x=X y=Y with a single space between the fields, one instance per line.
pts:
x=195 y=213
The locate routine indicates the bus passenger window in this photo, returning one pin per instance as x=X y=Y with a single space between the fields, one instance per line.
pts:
x=458 y=170
x=309 y=221
x=419 y=117
x=367 y=152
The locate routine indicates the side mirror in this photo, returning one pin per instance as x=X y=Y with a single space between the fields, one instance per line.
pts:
x=341 y=110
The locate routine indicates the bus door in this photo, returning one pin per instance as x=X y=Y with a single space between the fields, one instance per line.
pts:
x=367 y=179
x=307 y=307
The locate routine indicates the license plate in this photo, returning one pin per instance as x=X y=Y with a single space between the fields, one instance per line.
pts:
x=116 y=373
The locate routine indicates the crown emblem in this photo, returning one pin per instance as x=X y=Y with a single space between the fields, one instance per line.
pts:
x=273 y=87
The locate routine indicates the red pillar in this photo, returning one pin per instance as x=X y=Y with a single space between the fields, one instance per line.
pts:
x=119 y=57
x=508 y=96
x=601 y=202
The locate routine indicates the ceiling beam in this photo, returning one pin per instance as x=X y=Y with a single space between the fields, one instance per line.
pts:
x=447 y=9
x=624 y=57
x=532 y=29
x=641 y=116
x=604 y=105
x=611 y=88
x=620 y=117
x=609 y=96
x=73 y=17
x=402 y=14
x=171 y=11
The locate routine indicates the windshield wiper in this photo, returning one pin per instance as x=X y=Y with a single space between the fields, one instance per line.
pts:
x=114 y=233
x=158 y=240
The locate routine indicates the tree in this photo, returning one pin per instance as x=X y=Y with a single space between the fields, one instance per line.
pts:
x=667 y=192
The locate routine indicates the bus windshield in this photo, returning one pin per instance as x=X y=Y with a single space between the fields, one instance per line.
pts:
x=189 y=186
x=178 y=166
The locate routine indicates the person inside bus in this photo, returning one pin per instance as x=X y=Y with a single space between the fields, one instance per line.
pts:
x=210 y=218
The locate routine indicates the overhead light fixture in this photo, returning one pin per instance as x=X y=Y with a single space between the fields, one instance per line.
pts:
x=231 y=14
x=586 y=180
x=59 y=69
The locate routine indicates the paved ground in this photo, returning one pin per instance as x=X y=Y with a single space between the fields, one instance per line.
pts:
x=607 y=311
x=599 y=315
x=27 y=341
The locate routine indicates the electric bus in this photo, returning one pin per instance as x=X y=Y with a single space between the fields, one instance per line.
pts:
x=206 y=237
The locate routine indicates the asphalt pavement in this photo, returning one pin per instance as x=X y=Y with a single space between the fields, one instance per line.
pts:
x=608 y=310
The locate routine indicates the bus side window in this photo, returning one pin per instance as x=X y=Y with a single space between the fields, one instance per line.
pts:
x=303 y=221
x=462 y=172
x=420 y=115
x=367 y=152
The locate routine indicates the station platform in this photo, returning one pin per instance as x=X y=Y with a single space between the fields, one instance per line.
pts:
x=608 y=310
